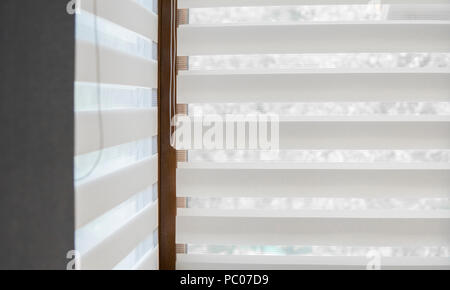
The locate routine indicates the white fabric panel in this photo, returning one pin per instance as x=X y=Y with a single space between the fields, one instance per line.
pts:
x=315 y=37
x=115 y=67
x=419 y=12
x=308 y=85
x=149 y=261
x=348 y=133
x=119 y=126
x=364 y=135
x=126 y=13
x=374 y=118
x=269 y=262
x=316 y=166
x=317 y=214
x=243 y=3
x=118 y=245
x=96 y=196
x=272 y=183
x=378 y=230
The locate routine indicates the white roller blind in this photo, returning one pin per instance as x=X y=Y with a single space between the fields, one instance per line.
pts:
x=395 y=36
x=237 y=3
x=222 y=262
x=116 y=129
x=306 y=85
x=217 y=231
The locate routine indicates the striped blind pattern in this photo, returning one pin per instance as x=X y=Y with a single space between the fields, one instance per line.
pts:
x=409 y=27
x=116 y=130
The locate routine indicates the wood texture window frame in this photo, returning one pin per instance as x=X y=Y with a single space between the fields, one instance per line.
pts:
x=167 y=154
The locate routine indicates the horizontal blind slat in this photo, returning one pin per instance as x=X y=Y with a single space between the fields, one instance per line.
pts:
x=276 y=165
x=115 y=67
x=274 y=262
x=338 y=37
x=312 y=231
x=379 y=215
x=220 y=183
x=119 y=126
x=119 y=244
x=308 y=86
x=419 y=12
x=365 y=135
x=126 y=13
x=334 y=135
x=95 y=197
x=243 y=3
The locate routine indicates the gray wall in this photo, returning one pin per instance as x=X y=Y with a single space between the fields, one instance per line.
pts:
x=36 y=134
